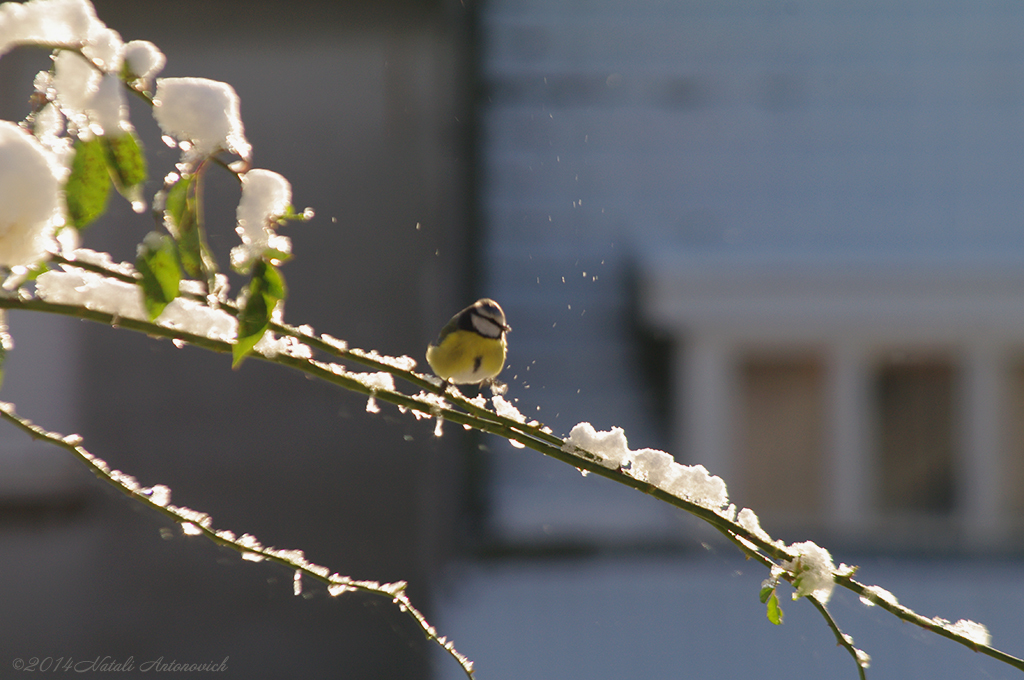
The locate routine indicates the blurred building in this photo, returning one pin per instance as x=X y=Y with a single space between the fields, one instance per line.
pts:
x=814 y=211
x=781 y=239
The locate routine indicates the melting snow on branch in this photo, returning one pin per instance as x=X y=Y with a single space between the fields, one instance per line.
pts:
x=159 y=494
x=30 y=199
x=749 y=521
x=402 y=363
x=876 y=594
x=973 y=631
x=505 y=409
x=75 y=83
x=375 y=381
x=94 y=291
x=610 y=449
x=813 y=569
x=68 y=23
x=270 y=345
x=266 y=196
x=200 y=111
x=143 y=60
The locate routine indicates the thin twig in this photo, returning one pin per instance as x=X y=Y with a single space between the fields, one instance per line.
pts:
x=199 y=523
x=460 y=410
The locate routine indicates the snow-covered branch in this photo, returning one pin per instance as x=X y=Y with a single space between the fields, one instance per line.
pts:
x=56 y=171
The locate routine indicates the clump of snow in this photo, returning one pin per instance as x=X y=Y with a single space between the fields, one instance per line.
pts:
x=92 y=291
x=68 y=23
x=143 y=60
x=432 y=402
x=221 y=287
x=480 y=401
x=196 y=318
x=506 y=409
x=202 y=112
x=336 y=589
x=101 y=259
x=972 y=630
x=104 y=47
x=334 y=342
x=196 y=517
x=749 y=521
x=695 y=483
x=48 y=129
x=652 y=466
x=108 y=110
x=191 y=529
x=375 y=381
x=266 y=196
x=124 y=300
x=85 y=84
x=611 y=450
x=270 y=345
x=845 y=569
x=813 y=570
x=125 y=480
x=402 y=363
x=878 y=594
x=75 y=83
x=30 y=199
x=158 y=494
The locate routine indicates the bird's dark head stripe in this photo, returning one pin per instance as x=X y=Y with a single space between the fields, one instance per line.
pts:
x=484 y=309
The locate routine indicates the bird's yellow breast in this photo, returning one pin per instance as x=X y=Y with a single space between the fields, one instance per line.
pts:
x=465 y=357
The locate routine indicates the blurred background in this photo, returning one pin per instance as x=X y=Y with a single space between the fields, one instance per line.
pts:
x=780 y=239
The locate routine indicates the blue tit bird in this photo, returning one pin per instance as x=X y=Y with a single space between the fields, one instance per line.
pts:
x=471 y=347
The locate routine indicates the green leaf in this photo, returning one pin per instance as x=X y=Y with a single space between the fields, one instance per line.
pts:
x=266 y=289
x=276 y=256
x=88 y=185
x=175 y=203
x=182 y=212
x=127 y=164
x=161 y=272
x=774 y=610
x=766 y=592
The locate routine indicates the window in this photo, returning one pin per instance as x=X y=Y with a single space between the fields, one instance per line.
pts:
x=781 y=436
x=916 y=435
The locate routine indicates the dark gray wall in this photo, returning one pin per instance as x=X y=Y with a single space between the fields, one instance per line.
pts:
x=360 y=106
